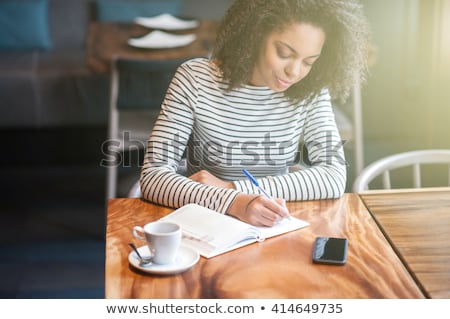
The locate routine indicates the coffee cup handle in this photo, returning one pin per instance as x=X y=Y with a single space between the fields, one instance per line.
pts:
x=137 y=231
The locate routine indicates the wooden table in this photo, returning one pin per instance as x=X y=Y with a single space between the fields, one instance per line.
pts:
x=279 y=267
x=417 y=223
x=107 y=40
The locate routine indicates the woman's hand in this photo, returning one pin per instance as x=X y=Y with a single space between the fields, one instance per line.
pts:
x=258 y=210
x=250 y=208
x=207 y=178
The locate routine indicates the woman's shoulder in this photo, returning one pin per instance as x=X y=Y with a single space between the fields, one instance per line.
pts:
x=202 y=67
x=202 y=63
x=321 y=97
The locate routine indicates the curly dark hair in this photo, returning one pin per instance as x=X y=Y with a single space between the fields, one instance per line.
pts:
x=247 y=23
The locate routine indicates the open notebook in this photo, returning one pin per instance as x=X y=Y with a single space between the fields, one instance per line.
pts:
x=212 y=233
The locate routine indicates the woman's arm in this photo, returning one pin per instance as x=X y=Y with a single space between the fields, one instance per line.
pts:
x=326 y=176
x=160 y=182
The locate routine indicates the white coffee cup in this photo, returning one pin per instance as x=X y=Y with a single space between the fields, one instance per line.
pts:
x=163 y=240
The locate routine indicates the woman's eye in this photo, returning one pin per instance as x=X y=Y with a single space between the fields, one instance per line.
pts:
x=282 y=53
x=309 y=62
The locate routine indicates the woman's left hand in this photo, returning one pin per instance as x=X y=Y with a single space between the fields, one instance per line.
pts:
x=205 y=177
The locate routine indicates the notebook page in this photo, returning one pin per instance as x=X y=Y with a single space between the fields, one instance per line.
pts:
x=208 y=230
x=284 y=226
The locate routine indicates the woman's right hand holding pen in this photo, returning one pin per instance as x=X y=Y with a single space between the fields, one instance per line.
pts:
x=258 y=210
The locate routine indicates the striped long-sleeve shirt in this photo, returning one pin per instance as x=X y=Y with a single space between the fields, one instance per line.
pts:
x=224 y=131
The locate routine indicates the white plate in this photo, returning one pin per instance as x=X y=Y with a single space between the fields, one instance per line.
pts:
x=186 y=258
x=166 y=21
x=162 y=40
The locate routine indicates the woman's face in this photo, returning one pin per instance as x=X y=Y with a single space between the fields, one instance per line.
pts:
x=287 y=57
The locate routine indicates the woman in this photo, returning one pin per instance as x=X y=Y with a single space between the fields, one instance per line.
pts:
x=266 y=90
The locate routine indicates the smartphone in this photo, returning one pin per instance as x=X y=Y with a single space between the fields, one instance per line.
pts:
x=330 y=250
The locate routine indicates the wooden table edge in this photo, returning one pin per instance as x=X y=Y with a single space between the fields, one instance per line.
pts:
x=391 y=242
x=403 y=190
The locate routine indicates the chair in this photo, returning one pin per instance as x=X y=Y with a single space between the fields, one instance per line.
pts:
x=137 y=90
x=416 y=159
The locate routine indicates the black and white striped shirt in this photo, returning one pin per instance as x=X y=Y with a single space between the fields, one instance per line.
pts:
x=225 y=131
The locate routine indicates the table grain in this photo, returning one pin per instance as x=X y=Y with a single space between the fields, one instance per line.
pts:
x=279 y=267
x=417 y=223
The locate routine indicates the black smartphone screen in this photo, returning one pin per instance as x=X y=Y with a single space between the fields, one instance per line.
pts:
x=330 y=250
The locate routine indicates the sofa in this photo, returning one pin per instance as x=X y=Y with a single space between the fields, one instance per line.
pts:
x=47 y=83
x=44 y=79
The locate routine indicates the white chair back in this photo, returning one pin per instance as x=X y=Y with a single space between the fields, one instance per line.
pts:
x=414 y=158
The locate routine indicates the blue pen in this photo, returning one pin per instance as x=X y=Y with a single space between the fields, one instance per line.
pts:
x=255 y=182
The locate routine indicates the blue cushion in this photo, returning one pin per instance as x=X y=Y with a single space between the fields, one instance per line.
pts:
x=128 y=10
x=24 y=25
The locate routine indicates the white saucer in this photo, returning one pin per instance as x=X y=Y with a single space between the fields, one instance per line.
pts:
x=186 y=258
x=166 y=21
x=162 y=40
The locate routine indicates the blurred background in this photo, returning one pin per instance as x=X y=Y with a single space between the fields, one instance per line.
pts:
x=406 y=102
x=54 y=118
